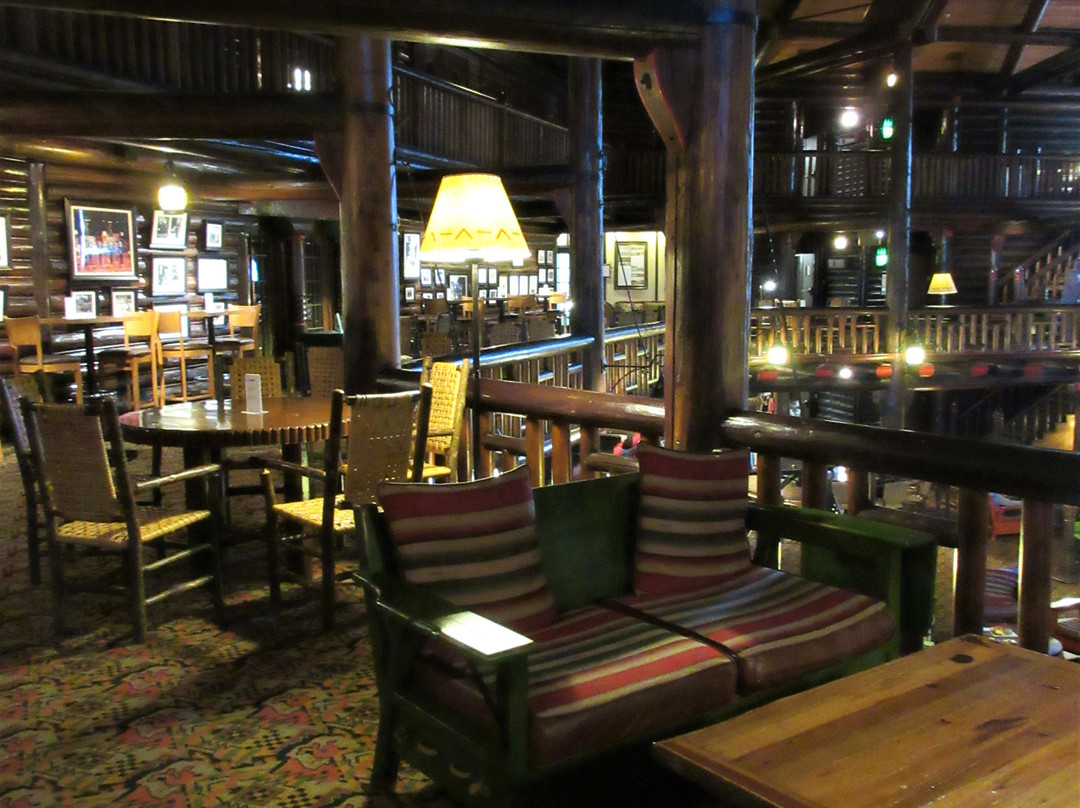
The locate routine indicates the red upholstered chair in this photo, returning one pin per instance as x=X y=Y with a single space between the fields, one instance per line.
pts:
x=1004 y=516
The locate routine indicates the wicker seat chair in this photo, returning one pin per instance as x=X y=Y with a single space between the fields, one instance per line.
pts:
x=507 y=332
x=387 y=435
x=267 y=368
x=325 y=368
x=436 y=344
x=25 y=332
x=15 y=389
x=174 y=344
x=140 y=349
x=449 y=382
x=89 y=504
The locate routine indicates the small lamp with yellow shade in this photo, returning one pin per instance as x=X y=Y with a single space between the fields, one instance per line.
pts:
x=473 y=222
x=942 y=283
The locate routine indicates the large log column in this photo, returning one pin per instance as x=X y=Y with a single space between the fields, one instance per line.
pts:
x=709 y=230
x=369 y=244
x=587 y=223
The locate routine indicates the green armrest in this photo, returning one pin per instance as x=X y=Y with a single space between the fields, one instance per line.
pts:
x=893 y=563
x=478 y=638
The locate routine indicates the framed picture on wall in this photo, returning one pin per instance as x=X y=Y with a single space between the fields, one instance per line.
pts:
x=410 y=294
x=214 y=236
x=631 y=265
x=123 y=302
x=81 y=305
x=101 y=241
x=3 y=294
x=168 y=275
x=168 y=231
x=481 y=276
x=410 y=256
x=425 y=276
x=457 y=286
x=493 y=276
x=5 y=241
x=212 y=275
x=440 y=276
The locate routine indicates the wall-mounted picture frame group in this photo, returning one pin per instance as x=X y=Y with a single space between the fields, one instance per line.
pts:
x=168 y=231
x=410 y=256
x=123 y=302
x=168 y=275
x=101 y=241
x=425 y=276
x=212 y=275
x=457 y=286
x=213 y=236
x=5 y=242
x=80 y=305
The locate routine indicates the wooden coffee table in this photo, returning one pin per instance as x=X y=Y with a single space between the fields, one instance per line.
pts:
x=964 y=724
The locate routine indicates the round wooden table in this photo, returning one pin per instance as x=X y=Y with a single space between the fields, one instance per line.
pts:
x=202 y=430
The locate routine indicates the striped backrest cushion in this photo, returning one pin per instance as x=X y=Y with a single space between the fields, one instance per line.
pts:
x=475 y=544
x=691 y=520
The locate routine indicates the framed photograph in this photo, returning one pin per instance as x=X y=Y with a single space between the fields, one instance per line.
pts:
x=631 y=265
x=481 y=276
x=440 y=295
x=410 y=294
x=428 y=295
x=503 y=286
x=533 y=286
x=410 y=256
x=168 y=275
x=212 y=275
x=5 y=241
x=493 y=276
x=440 y=276
x=168 y=231
x=425 y=276
x=515 y=286
x=101 y=242
x=3 y=294
x=483 y=294
x=123 y=302
x=214 y=236
x=81 y=305
x=457 y=286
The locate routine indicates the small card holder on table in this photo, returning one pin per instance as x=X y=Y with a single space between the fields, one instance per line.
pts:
x=253 y=394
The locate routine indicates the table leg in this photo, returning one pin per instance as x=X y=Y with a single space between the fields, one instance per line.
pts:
x=293 y=486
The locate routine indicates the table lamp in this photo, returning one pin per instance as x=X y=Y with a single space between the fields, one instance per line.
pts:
x=472 y=222
x=942 y=283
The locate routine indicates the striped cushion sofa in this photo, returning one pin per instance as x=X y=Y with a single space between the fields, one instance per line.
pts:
x=603 y=619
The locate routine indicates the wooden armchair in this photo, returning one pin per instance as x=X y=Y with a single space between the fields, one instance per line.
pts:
x=243 y=330
x=386 y=437
x=140 y=349
x=175 y=344
x=25 y=332
x=86 y=506
x=449 y=382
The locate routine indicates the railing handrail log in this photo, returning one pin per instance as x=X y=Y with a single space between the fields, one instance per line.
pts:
x=582 y=407
x=1045 y=475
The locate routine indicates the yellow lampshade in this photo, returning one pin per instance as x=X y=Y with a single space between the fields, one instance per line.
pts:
x=942 y=284
x=472 y=220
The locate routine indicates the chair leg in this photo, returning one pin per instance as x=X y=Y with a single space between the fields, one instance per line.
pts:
x=273 y=540
x=210 y=375
x=183 y=380
x=136 y=591
x=33 y=539
x=217 y=586
x=78 y=386
x=56 y=575
x=136 y=394
x=329 y=579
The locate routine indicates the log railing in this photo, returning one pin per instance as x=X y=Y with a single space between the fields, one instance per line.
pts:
x=1041 y=477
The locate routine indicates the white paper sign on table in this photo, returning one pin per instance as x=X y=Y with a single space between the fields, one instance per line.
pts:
x=253 y=394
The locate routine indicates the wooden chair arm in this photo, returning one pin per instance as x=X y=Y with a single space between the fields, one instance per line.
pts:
x=476 y=637
x=310 y=472
x=178 y=477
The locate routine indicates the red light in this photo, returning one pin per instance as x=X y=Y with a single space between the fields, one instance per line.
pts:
x=883 y=371
x=1033 y=369
x=926 y=371
x=767 y=375
x=824 y=372
x=980 y=369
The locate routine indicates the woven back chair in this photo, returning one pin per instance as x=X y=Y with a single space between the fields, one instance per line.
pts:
x=436 y=344
x=450 y=383
x=15 y=389
x=386 y=436
x=266 y=367
x=507 y=332
x=85 y=505
x=325 y=369
x=175 y=345
x=140 y=350
x=539 y=326
x=24 y=334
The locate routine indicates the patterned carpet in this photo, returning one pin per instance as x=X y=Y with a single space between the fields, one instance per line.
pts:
x=270 y=712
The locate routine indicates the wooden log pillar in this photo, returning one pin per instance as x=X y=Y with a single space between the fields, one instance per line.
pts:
x=898 y=270
x=815 y=485
x=708 y=232
x=858 y=493
x=969 y=586
x=369 y=223
x=39 y=236
x=1036 y=537
x=587 y=220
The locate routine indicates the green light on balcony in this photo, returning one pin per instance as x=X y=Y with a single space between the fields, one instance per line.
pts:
x=881 y=256
x=887 y=128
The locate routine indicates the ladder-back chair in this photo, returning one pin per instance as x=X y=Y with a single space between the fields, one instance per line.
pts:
x=25 y=332
x=177 y=345
x=15 y=389
x=140 y=349
x=450 y=383
x=386 y=439
x=86 y=506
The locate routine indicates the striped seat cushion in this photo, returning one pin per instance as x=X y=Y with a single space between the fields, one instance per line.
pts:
x=779 y=625
x=475 y=544
x=598 y=679
x=1001 y=596
x=691 y=520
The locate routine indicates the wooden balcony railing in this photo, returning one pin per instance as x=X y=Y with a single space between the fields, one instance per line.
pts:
x=1041 y=477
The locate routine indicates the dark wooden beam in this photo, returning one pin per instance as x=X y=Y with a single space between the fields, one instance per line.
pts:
x=1030 y=22
x=603 y=28
x=1060 y=37
x=168 y=115
x=1059 y=65
x=853 y=50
